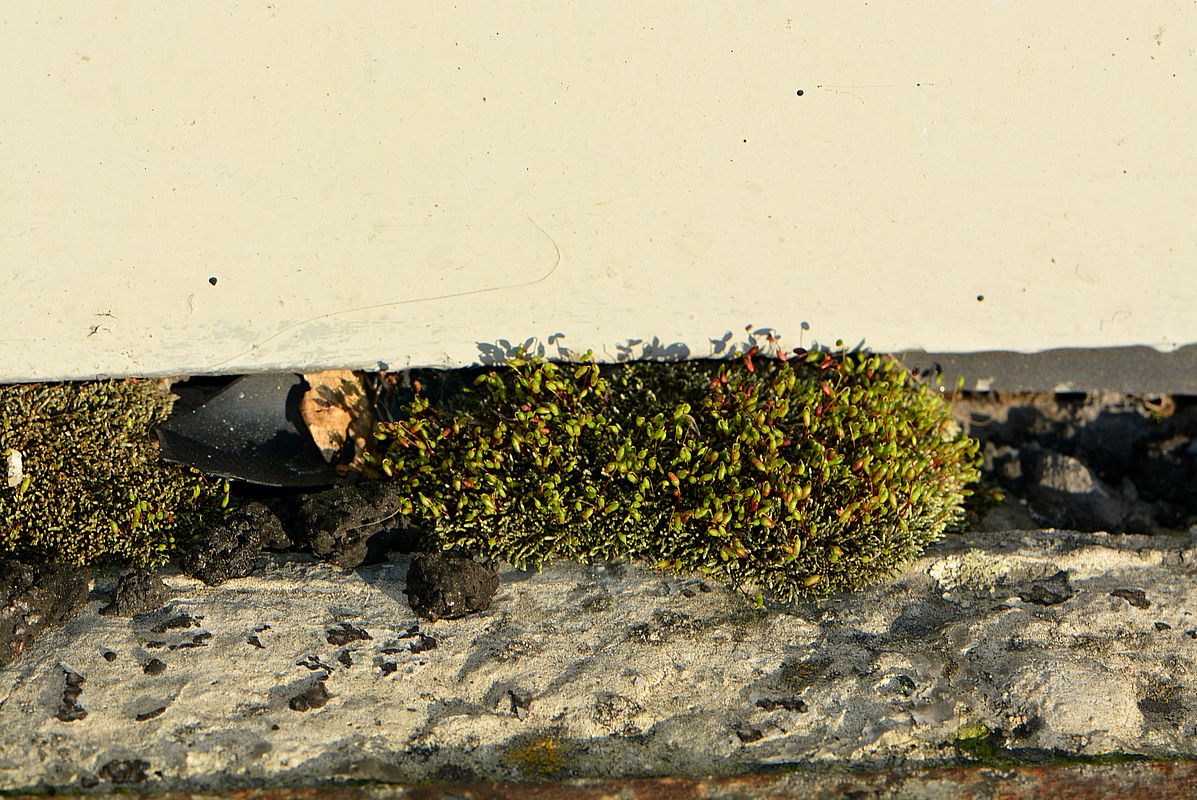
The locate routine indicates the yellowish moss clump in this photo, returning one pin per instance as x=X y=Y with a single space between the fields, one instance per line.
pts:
x=541 y=755
x=803 y=475
x=91 y=487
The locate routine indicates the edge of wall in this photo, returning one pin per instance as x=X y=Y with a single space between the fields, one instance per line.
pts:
x=1134 y=370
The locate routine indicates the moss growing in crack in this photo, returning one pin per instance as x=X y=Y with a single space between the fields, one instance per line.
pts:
x=93 y=489
x=801 y=476
x=978 y=742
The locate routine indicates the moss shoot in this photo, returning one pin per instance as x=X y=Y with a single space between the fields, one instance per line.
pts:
x=93 y=489
x=798 y=476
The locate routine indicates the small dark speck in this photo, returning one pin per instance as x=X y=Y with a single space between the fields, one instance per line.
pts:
x=745 y=141
x=789 y=704
x=1163 y=626
x=980 y=298
x=800 y=92
x=109 y=656
x=274 y=727
x=196 y=641
x=212 y=280
x=175 y=623
x=749 y=735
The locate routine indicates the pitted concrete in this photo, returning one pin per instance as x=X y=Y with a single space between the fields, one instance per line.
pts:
x=1034 y=644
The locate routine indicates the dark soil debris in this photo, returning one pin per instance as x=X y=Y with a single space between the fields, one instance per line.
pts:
x=449 y=585
x=177 y=622
x=69 y=709
x=1050 y=592
x=315 y=696
x=124 y=771
x=138 y=591
x=351 y=525
x=229 y=550
x=749 y=735
x=521 y=703
x=35 y=599
x=665 y=626
x=1136 y=597
x=198 y=640
x=346 y=633
x=313 y=663
x=788 y=703
x=422 y=640
x=148 y=715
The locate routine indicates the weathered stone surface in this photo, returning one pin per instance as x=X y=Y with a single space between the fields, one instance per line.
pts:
x=1038 y=643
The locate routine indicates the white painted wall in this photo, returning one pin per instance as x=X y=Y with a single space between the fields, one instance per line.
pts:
x=394 y=182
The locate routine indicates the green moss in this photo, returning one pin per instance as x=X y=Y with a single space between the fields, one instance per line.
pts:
x=94 y=489
x=537 y=755
x=978 y=742
x=803 y=476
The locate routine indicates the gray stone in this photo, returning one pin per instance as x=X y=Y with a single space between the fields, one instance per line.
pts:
x=1066 y=494
x=1048 y=643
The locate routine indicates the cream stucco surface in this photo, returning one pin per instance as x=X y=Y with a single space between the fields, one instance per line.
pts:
x=234 y=186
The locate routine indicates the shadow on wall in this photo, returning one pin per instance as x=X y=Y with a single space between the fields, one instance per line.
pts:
x=554 y=349
x=440 y=385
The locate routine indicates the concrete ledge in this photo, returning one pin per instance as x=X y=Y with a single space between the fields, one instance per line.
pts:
x=1033 y=645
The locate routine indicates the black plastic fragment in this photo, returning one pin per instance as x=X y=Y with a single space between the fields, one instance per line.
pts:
x=250 y=431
